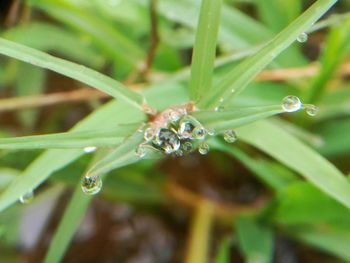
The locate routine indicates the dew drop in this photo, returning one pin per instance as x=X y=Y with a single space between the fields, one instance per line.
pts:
x=302 y=38
x=291 y=104
x=199 y=133
x=211 y=132
x=27 y=198
x=90 y=149
x=311 y=110
x=230 y=136
x=149 y=134
x=140 y=151
x=167 y=140
x=187 y=146
x=203 y=148
x=221 y=100
x=91 y=185
x=186 y=128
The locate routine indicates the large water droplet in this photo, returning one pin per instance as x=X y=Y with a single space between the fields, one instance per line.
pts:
x=311 y=110
x=291 y=104
x=186 y=128
x=27 y=198
x=203 y=148
x=230 y=136
x=91 y=185
x=302 y=38
x=167 y=140
x=90 y=149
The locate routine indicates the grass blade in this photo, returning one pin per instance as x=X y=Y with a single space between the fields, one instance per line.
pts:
x=238 y=79
x=204 y=50
x=255 y=241
x=79 y=139
x=72 y=70
x=296 y=155
x=223 y=120
x=68 y=225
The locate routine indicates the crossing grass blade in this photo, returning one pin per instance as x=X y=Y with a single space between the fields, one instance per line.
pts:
x=233 y=118
x=72 y=70
x=79 y=139
x=204 y=50
x=237 y=79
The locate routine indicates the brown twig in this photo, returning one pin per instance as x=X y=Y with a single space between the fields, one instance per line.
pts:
x=13 y=13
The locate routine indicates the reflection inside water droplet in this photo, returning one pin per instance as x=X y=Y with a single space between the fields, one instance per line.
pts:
x=291 y=104
x=27 y=198
x=230 y=136
x=302 y=38
x=91 y=185
x=140 y=151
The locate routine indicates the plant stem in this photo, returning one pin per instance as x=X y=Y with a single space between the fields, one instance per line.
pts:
x=200 y=233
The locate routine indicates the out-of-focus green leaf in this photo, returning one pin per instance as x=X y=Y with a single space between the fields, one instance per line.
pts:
x=255 y=241
x=274 y=141
x=48 y=37
x=223 y=255
x=336 y=49
x=302 y=203
x=334 y=241
x=72 y=70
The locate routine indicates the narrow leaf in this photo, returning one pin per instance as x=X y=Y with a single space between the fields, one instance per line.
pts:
x=233 y=118
x=204 y=50
x=75 y=139
x=255 y=241
x=72 y=70
x=238 y=79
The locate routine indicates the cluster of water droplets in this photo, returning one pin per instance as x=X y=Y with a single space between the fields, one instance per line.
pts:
x=175 y=132
x=293 y=104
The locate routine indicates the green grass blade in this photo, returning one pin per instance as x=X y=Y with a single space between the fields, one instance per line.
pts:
x=80 y=139
x=123 y=155
x=337 y=48
x=296 y=155
x=72 y=217
x=229 y=119
x=238 y=79
x=72 y=70
x=255 y=241
x=204 y=50
x=334 y=241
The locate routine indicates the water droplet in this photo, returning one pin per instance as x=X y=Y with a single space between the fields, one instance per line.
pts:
x=199 y=133
x=167 y=140
x=291 y=104
x=140 y=151
x=219 y=108
x=149 y=134
x=27 y=198
x=91 y=185
x=203 y=148
x=186 y=128
x=187 y=146
x=90 y=149
x=302 y=38
x=221 y=100
x=311 y=110
x=230 y=136
x=211 y=132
